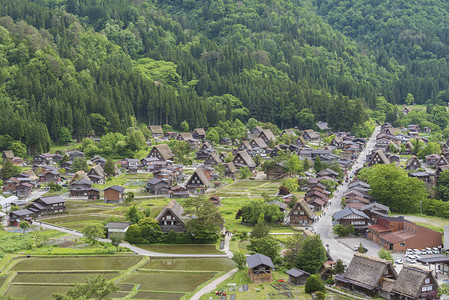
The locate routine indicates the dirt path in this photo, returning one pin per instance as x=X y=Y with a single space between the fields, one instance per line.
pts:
x=213 y=285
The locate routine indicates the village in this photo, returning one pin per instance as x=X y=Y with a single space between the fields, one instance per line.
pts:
x=311 y=178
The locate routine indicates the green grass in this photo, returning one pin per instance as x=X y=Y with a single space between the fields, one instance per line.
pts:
x=77 y=263
x=59 y=277
x=182 y=249
x=152 y=295
x=40 y=292
x=169 y=281
x=192 y=264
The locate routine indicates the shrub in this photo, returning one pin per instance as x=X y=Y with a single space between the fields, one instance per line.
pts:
x=313 y=284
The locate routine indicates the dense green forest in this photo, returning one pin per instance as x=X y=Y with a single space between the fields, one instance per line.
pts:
x=82 y=67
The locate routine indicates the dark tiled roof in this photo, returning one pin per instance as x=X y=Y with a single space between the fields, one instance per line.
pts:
x=259 y=259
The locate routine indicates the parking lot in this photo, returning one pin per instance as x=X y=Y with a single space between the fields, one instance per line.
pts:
x=373 y=248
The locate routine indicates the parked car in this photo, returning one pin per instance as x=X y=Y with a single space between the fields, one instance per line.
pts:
x=411 y=259
x=429 y=250
x=409 y=252
x=423 y=251
x=398 y=261
x=417 y=252
x=436 y=250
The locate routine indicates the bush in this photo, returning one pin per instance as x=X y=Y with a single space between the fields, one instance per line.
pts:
x=313 y=284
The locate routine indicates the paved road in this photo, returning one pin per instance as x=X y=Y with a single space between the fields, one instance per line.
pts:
x=323 y=226
x=213 y=285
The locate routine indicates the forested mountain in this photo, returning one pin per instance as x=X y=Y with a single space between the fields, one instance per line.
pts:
x=414 y=33
x=97 y=66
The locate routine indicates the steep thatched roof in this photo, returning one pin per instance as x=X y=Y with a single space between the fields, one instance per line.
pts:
x=199 y=131
x=246 y=159
x=8 y=154
x=410 y=280
x=165 y=151
x=78 y=175
x=156 y=129
x=201 y=176
x=379 y=155
x=304 y=206
x=185 y=136
x=175 y=208
x=367 y=270
x=269 y=134
x=97 y=170
x=259 y=142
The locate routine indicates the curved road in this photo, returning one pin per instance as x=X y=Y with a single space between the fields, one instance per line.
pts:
x=138 y=250
x=323 y=226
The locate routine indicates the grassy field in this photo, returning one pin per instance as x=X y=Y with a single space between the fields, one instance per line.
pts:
x=136 y=277
x=182 y=249
x=59 y=277
x=194 y=264
x=169 y=281
x=434 y=223
x=249 y=188
x=77 y=263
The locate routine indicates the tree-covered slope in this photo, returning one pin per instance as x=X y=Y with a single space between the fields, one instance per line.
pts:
x=413 y=32
x=96 y=66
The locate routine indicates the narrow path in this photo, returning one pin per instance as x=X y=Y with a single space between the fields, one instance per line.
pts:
x=213 y=285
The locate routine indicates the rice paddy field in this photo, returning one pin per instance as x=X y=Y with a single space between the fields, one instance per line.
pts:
x=137 y=277
x=249 y=188
x=182 y=249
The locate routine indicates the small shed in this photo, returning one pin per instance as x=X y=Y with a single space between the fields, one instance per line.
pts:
x=260 y=268
x=297 y=276
x=117 y=228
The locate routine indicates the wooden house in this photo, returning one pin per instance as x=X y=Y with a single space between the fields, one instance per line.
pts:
x=213 y=159
x=156 y=130
x=366 y=274
x=350 y=216
x=157 y=186
x=375 y=210
x=378 y=157
x=256 y=131
x=49 y=176
x=24 y=190
x=172 y=218
x=230 y=170
x=199 y=133
x=267 y=135
x=297 y=276
x=48 y=205
x=198 y=182
x=243 y=159
x=7 y=154
x=184 y=136
x=78 y=176
x=80 y=188
x=327 y=172
x=93 y=194
x=442 y=161
x=309 y=135
x=415 y=283
x=290 y=132
x=245 y=146
x=300 y=214
x=216 y=200
x=75 y=154
x=17 y=216
x=300 y=142
x=44 y=159
x=413 y=163
x=114 y=194
x=260 y=268
x=258 y=143
x=179 y=192
x=161 y=152
x=97 y=175
x=10 y=185
x=432 y=159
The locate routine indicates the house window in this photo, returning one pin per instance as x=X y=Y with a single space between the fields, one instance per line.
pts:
x=295 y=213
x=427 y=281
x=402 y=244
x=168 y=217
x=426 y=288
x=358 y=222
x=301 y=213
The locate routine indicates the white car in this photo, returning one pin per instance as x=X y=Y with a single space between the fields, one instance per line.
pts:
x=417 y=252
x=411 y=259
x=407 y=253
x=429 y=251
x=436 y=251
x=423 y=252
x=398 y=261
